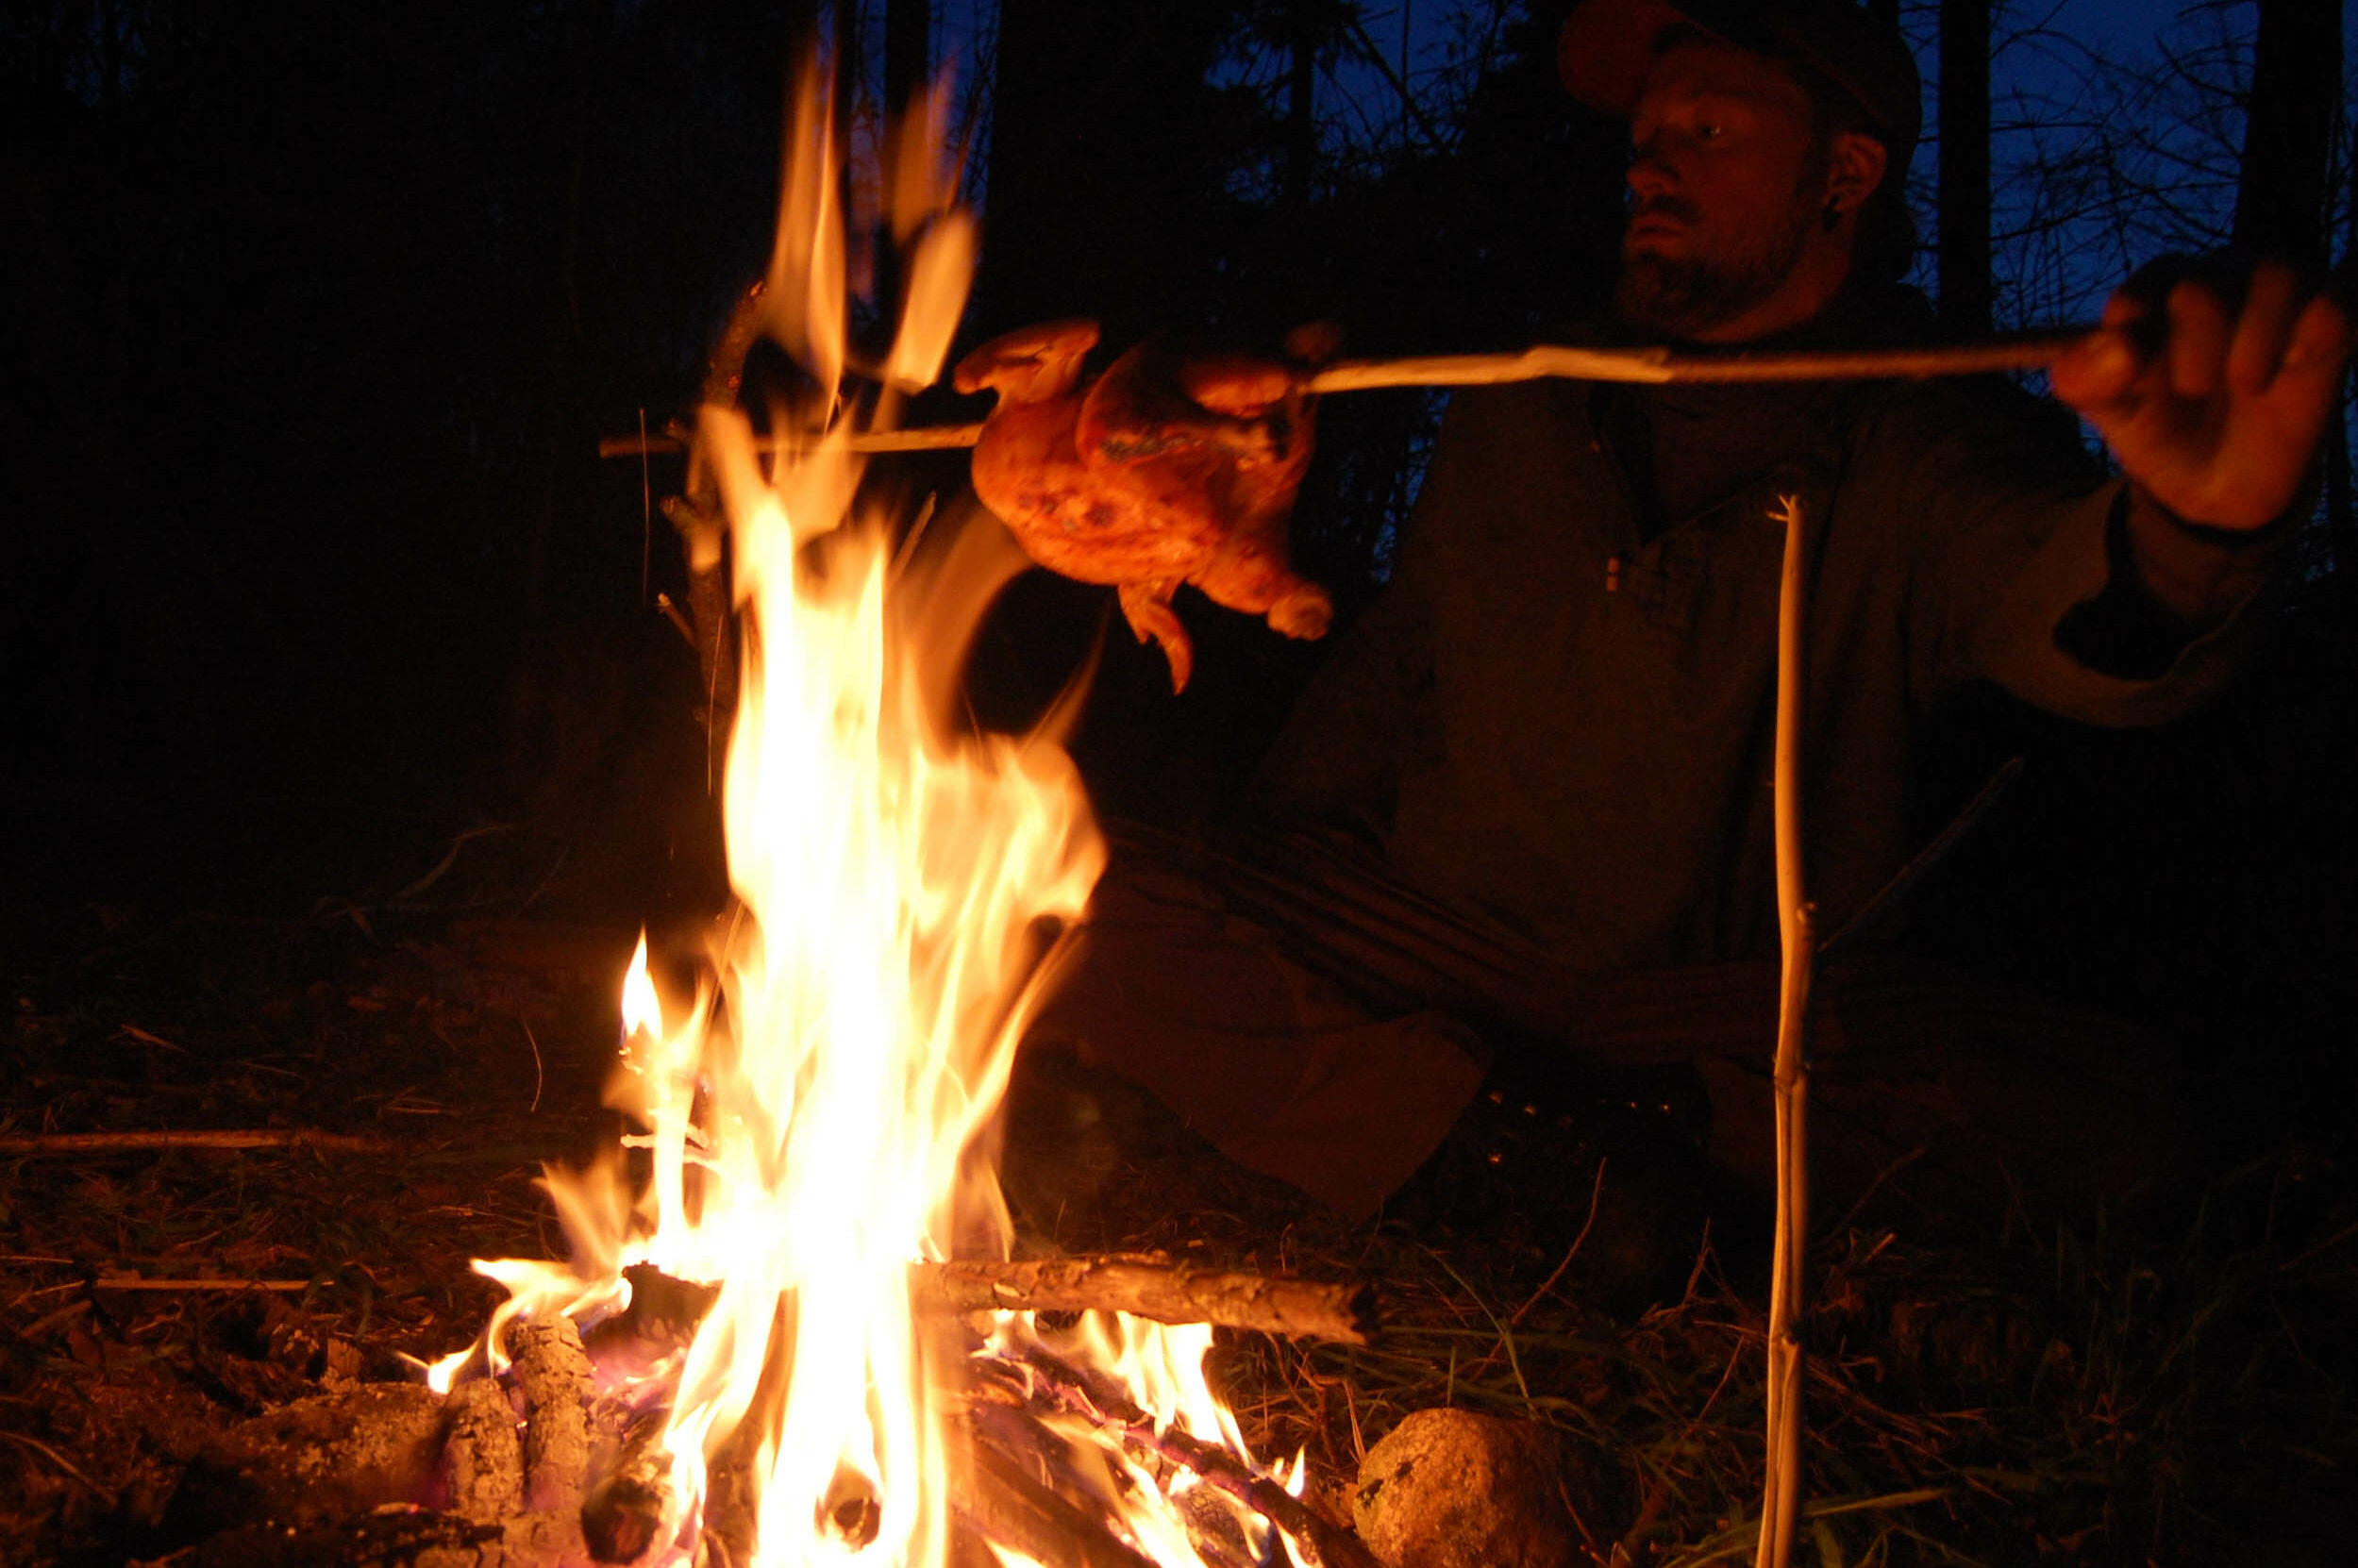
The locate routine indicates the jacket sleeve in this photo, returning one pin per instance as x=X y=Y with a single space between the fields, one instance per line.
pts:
x=1368 y=715
x=2010 y=534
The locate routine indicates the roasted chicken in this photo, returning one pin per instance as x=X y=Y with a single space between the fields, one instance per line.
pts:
x=1170 y=468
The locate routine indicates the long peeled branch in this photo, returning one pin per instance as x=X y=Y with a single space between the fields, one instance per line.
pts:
x=1781 y=1500
x=1558 y=362
x=1655 y=366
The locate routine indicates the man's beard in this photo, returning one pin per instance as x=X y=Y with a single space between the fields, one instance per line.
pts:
x=1682 y=297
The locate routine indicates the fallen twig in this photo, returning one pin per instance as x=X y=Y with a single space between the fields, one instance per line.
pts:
x=1596 y=1194
x=125 y=1142
x=135 y=1282
x=56 y=1459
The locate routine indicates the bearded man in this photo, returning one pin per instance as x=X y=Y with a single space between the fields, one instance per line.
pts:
x=1521 y=821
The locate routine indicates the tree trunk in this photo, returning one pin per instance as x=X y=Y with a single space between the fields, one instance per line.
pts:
x=2289 y=133
x=1964 y=166
x=2282 y=199
x=1301 y=123
x=2341 y=524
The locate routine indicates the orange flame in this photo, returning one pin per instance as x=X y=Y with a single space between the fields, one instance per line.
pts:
x=812 y=1118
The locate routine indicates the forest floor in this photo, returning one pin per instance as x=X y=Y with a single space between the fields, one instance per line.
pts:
x=2176 y=1394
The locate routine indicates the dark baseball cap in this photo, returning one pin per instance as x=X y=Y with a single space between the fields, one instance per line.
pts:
x=1607 y=48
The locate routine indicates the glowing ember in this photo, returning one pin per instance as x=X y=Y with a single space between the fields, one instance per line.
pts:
x=812 y=1116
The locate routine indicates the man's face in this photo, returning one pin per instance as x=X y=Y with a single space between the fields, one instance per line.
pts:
x=1726 y=184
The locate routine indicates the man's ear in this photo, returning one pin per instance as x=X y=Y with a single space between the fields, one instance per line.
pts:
x=1854 y=168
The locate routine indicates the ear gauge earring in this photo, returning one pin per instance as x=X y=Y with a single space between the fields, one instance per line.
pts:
x=1834 y=216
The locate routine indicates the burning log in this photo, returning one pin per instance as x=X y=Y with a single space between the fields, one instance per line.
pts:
x=997 y=1498
x=1146 y=1288
x=1344 y=1312
x=626 y=1508
x=1061 y=1387
x=482 y=1465
x=554 y=1372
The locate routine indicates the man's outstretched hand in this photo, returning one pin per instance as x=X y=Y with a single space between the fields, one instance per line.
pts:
x=2215 y=407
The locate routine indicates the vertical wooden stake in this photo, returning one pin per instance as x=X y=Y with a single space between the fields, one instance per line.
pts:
x=1781 y=1502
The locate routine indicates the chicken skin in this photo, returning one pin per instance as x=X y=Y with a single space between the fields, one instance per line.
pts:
x=1169 y=469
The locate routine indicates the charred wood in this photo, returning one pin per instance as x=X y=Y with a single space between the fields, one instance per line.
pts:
x=1063 y=1387
x=1000 y=1498
x=554 y=1372
x=626 y=1508
x=482 y=1467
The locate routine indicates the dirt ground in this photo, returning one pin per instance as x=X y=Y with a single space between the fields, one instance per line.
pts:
x=2055 y=1394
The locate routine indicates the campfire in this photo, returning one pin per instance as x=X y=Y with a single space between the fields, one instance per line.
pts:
x=780 y=1334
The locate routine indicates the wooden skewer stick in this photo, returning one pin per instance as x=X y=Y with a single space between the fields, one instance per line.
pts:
x=1646 y=366
x=1656 y=366
x=922 y=438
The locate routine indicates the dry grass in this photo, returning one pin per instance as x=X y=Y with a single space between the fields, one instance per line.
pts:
x=2178 y=1392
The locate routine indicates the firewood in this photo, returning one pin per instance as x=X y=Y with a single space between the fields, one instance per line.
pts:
x=626 y=1509
x=1344 y=1312
x=554 y=1374
x=1063 y=1387
x=994 y=1497
x=482 y=1463
x=1166 y=1292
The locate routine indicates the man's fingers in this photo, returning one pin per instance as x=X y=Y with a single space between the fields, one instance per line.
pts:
x=2101 y=367
x=2271 y=306
x=2321 y=342
x=2097 y=370
x=2198 y=330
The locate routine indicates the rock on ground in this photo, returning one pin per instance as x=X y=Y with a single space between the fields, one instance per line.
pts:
x=1449 y=1489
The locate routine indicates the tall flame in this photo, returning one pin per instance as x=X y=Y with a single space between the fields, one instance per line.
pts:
x=812 y=1117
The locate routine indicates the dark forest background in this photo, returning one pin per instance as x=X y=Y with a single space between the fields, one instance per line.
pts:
x=315 y=313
